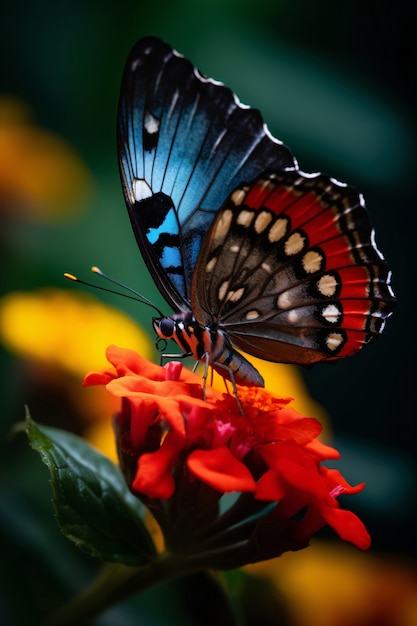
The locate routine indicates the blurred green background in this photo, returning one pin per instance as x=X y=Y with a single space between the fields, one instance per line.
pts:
x=336 y=81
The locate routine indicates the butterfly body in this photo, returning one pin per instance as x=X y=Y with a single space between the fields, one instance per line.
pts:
x=251 y=253
x=208 y=344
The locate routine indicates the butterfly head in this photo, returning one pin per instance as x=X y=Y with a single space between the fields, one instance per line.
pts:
x=165 y=327
x=174 y=326
x=193 y=338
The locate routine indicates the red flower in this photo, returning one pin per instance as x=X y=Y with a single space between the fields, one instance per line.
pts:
x=236 y=488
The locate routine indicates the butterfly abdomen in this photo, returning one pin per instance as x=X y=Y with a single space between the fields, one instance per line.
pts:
x=209 y=345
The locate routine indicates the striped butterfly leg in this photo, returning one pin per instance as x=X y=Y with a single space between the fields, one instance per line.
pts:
x=227 y=373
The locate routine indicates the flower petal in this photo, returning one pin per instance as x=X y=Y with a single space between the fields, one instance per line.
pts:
x=348 y=526
x=154 y=474
x=221 y=470
x=173 y=444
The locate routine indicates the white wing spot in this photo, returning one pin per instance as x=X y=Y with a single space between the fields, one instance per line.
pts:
x=331 y=313
x=333 y=341
x=234 y=249
x=327 y=285
x=294 y=244
x=141 y=189
x=267 y=268
x=210 y=265
x=262 y=220
x=151 y=124
x=245 y=218
x=285 y=301
x=278 y=229
x=293 y=316
x=252 y=315
x=222 y=225
x=235 y=296
x=238 y=197
x=223 y=290
x=312 y=261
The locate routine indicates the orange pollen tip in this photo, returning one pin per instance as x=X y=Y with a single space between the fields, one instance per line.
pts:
x=70 y=276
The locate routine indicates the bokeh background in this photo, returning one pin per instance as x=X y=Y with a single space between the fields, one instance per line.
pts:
x=336 y=81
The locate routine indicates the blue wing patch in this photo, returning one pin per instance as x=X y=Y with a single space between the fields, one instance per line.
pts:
x=185 y=143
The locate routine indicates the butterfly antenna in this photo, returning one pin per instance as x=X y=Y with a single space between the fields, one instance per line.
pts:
x=137 y=297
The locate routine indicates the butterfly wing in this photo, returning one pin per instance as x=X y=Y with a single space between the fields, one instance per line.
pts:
x=185 y=142
x=290 y=270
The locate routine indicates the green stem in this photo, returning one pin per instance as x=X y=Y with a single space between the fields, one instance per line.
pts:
x=115 y=583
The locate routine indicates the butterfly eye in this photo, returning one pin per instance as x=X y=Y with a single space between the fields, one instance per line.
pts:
x=166 y=327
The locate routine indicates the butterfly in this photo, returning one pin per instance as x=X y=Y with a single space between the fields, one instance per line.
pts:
x=251 y=253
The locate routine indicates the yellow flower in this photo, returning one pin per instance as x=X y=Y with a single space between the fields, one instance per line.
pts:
x=332 y=584
x=40 y=173
x=71 y=331
x=64 y=334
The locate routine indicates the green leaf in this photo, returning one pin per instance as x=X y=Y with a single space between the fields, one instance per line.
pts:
x=93 y=505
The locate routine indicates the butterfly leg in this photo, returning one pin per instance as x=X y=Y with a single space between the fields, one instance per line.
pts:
x=183 y=355
x=229 y=376
x=206 y=360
